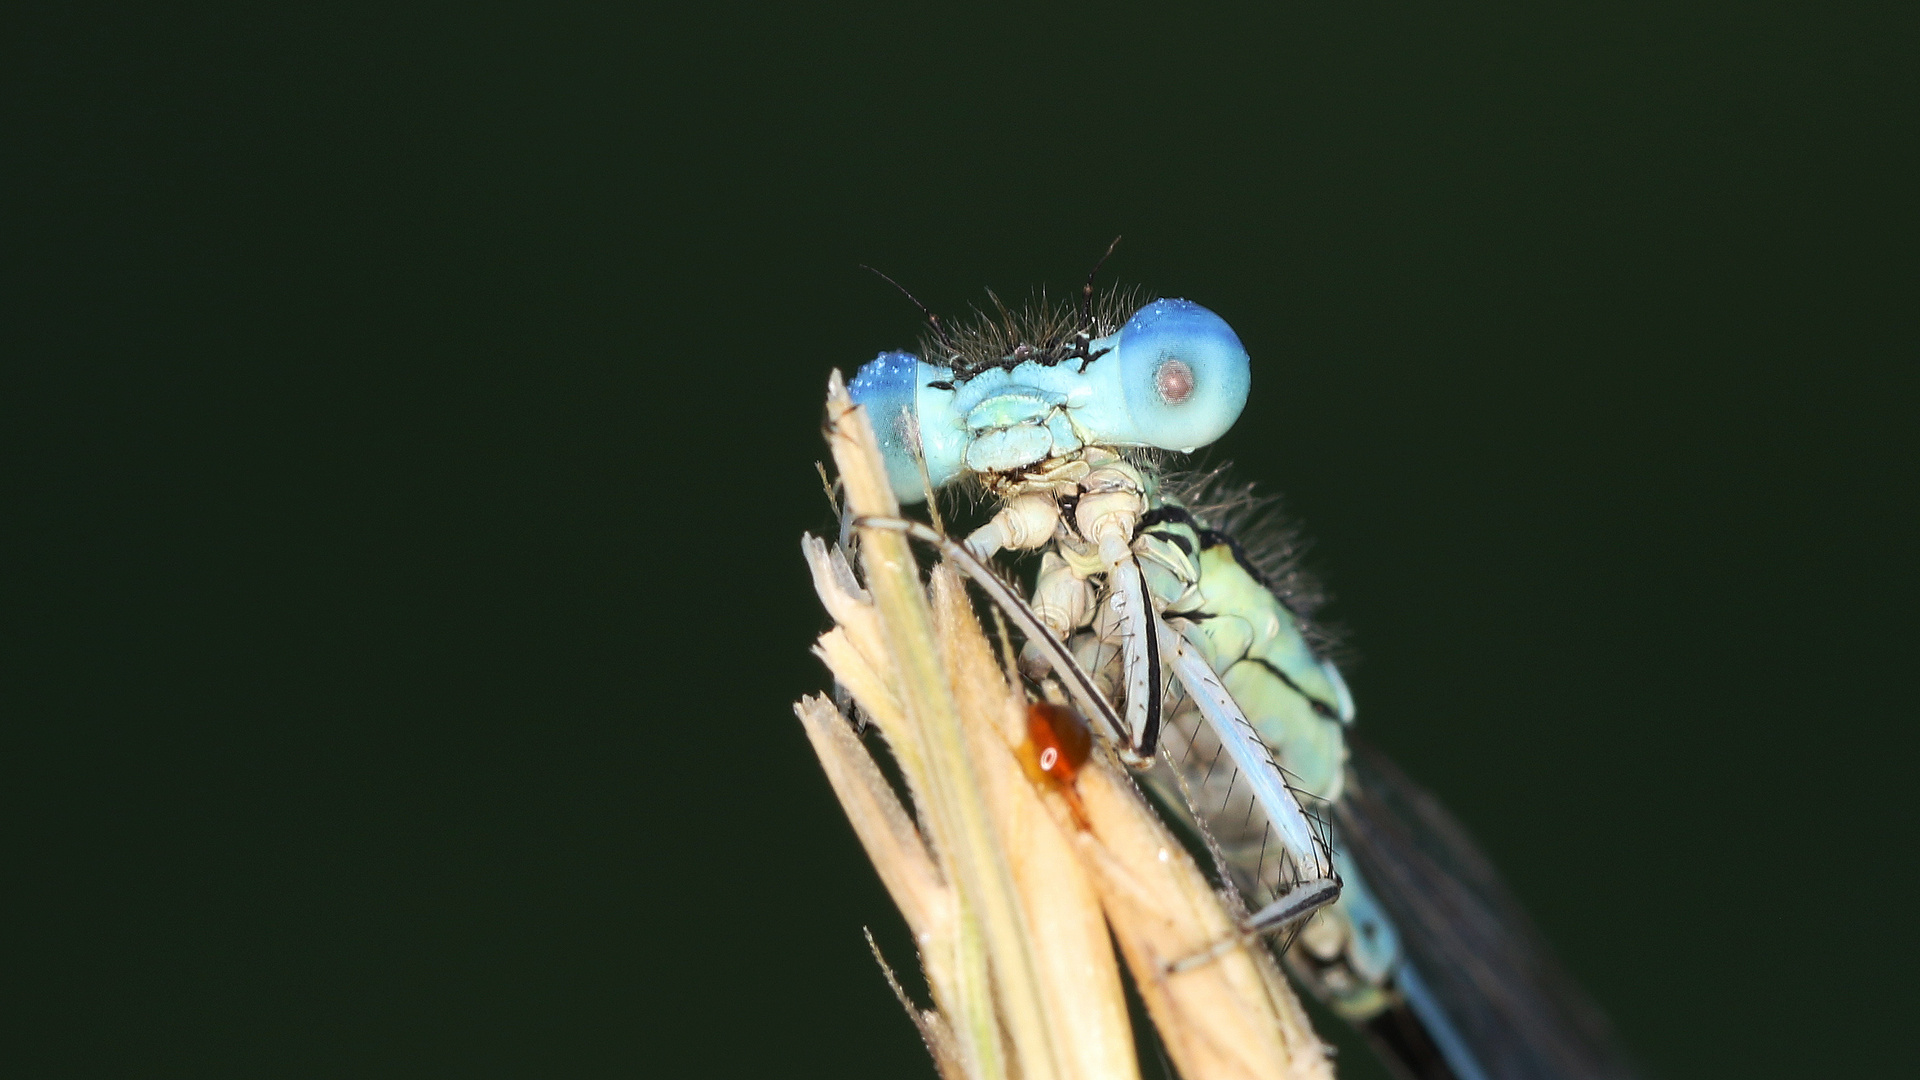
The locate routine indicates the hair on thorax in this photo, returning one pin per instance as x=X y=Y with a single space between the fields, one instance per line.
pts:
x=1269 y=544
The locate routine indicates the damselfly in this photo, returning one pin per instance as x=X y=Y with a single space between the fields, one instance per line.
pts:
x=1192 y=648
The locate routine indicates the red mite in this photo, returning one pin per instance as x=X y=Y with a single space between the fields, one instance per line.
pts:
x=1058 y=743
x=1061 y=741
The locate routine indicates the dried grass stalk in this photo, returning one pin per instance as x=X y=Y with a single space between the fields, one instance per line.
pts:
x=1009 y=898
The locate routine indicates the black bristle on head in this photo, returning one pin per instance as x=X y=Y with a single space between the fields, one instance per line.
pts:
x=1042 y=331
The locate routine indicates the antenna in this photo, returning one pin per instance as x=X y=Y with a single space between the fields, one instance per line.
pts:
x=939 y=332
x=1086 y=292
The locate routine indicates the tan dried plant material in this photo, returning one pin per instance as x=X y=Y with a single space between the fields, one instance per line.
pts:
x=1013 y=886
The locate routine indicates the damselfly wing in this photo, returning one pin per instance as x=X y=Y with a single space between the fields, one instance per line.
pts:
x=1472 y=955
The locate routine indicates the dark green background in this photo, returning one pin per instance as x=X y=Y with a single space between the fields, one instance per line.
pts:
x=414 y=417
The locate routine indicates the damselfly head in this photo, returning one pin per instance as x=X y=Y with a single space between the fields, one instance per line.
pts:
x=1012 y=391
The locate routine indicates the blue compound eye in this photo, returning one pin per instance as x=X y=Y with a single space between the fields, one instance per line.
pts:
x=1185 y=374
x=887 y=386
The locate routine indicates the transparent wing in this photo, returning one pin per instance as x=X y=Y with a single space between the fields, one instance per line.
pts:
x=1269 y=854
x=1473 y=947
